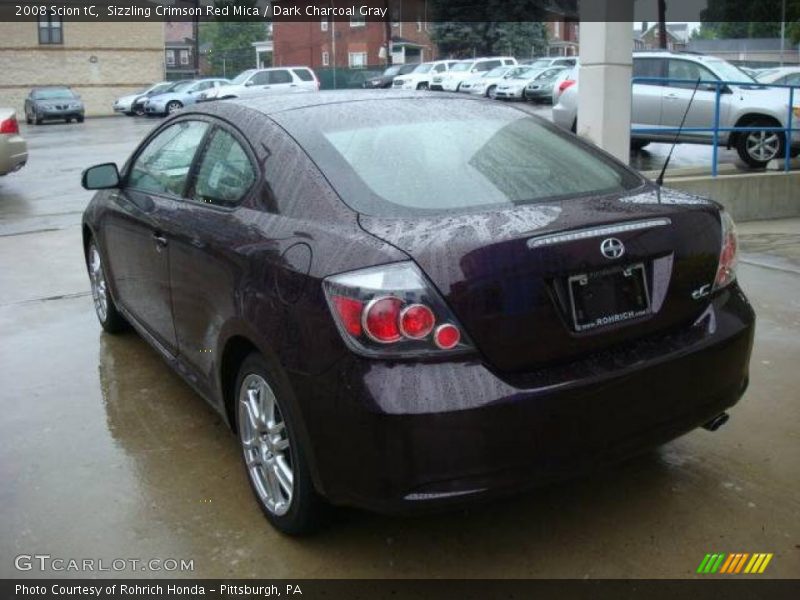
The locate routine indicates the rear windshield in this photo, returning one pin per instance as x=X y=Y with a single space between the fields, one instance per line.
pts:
x=398 y=157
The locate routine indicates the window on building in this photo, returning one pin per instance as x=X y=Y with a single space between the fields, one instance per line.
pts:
x=323 y=25
x=358 y=21
x=50 y=30
x=326 y=59
x=357 y=60
x=170 y=58
x=184 y=57
x=419 y=22
x=557 y=29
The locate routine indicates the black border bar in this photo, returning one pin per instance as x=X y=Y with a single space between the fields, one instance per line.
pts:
x=752 y=588
x=432 y=11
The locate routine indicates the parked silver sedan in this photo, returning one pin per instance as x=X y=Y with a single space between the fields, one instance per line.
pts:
x=13 y=148
x=541 y=87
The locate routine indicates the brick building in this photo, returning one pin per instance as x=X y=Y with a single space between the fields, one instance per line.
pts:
x=356 y=42
x=179 y=49
x=100 y=62
x=563 y=35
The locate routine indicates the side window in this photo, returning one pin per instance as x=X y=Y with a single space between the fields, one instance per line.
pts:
x=304 y=74
x=261 y=78
x=649 y=67
x=281 y=76
x=684 y=69
x=793 y=79
x=439 y=68
x=163 y=166
x=225 y=173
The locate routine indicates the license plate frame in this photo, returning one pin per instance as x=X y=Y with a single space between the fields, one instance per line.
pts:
x=633 y=280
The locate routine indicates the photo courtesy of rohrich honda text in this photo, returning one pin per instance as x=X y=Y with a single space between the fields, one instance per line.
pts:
x=299 y=297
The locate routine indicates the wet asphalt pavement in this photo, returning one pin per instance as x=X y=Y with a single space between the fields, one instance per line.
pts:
x=105 y=453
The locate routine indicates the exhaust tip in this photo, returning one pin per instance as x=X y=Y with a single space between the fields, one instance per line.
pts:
x=717 y=422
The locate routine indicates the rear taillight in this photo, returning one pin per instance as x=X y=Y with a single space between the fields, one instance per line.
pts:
x=729 y=254
x=393 y=311
x=565 y=84
x=9 y=126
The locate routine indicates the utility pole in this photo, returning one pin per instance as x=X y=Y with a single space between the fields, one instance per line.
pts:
x=387 y=33
x=196 y=24
x=783 y=29
x=662 y=24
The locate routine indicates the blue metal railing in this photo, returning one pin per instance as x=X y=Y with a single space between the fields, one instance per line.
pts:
x=715 y=129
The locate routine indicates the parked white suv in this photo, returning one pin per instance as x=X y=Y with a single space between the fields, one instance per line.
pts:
x=659 y=105
x=257 y=82
x=464 y=69
x=420 y=78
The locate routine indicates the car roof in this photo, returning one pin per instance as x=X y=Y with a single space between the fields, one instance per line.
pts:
x=278 y=103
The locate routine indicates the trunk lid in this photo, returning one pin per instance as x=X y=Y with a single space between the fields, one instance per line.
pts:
x=506 y=274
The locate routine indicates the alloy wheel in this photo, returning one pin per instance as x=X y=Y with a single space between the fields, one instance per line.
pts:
x=763 y=146
x=98 y=284
x=265 y=444
x=173 y=106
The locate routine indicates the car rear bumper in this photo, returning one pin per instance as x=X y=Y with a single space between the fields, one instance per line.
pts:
x=13 y=153
x=399 y=437
x=563 y=117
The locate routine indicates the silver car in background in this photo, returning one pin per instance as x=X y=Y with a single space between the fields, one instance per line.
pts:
x=540 y=89
x=486 y=84
x=660 y=105
x=128 y=105
x=13 y=148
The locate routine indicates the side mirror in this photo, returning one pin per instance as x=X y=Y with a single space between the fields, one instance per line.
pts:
x=249 y=83
x=100 y=177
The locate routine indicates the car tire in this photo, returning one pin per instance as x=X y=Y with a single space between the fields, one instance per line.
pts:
x=422 y=87
x=757 y=148
x=68 y=120
x=639 y=144
x=173 y=106
x=38 y=120
x=80 y=119
x=492 y=92
x=104 y=306
x=273 y=455
x=139 y=112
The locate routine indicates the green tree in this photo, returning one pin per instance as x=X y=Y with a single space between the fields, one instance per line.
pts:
x=465 y=28
x=231 y=41
x=723 y=19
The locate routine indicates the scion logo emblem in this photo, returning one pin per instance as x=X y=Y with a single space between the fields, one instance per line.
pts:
x=612 y=248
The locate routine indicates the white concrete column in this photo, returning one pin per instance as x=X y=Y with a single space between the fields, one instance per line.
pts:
x=604 y=89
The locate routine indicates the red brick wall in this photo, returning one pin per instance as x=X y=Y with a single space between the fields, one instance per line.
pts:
x=297 y=43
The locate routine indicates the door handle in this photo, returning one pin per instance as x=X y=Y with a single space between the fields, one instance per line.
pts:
x=671 y=96
x=160 y=240
x=266 y=87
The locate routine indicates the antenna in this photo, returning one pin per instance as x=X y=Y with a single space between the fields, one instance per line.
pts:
x=660 y=180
